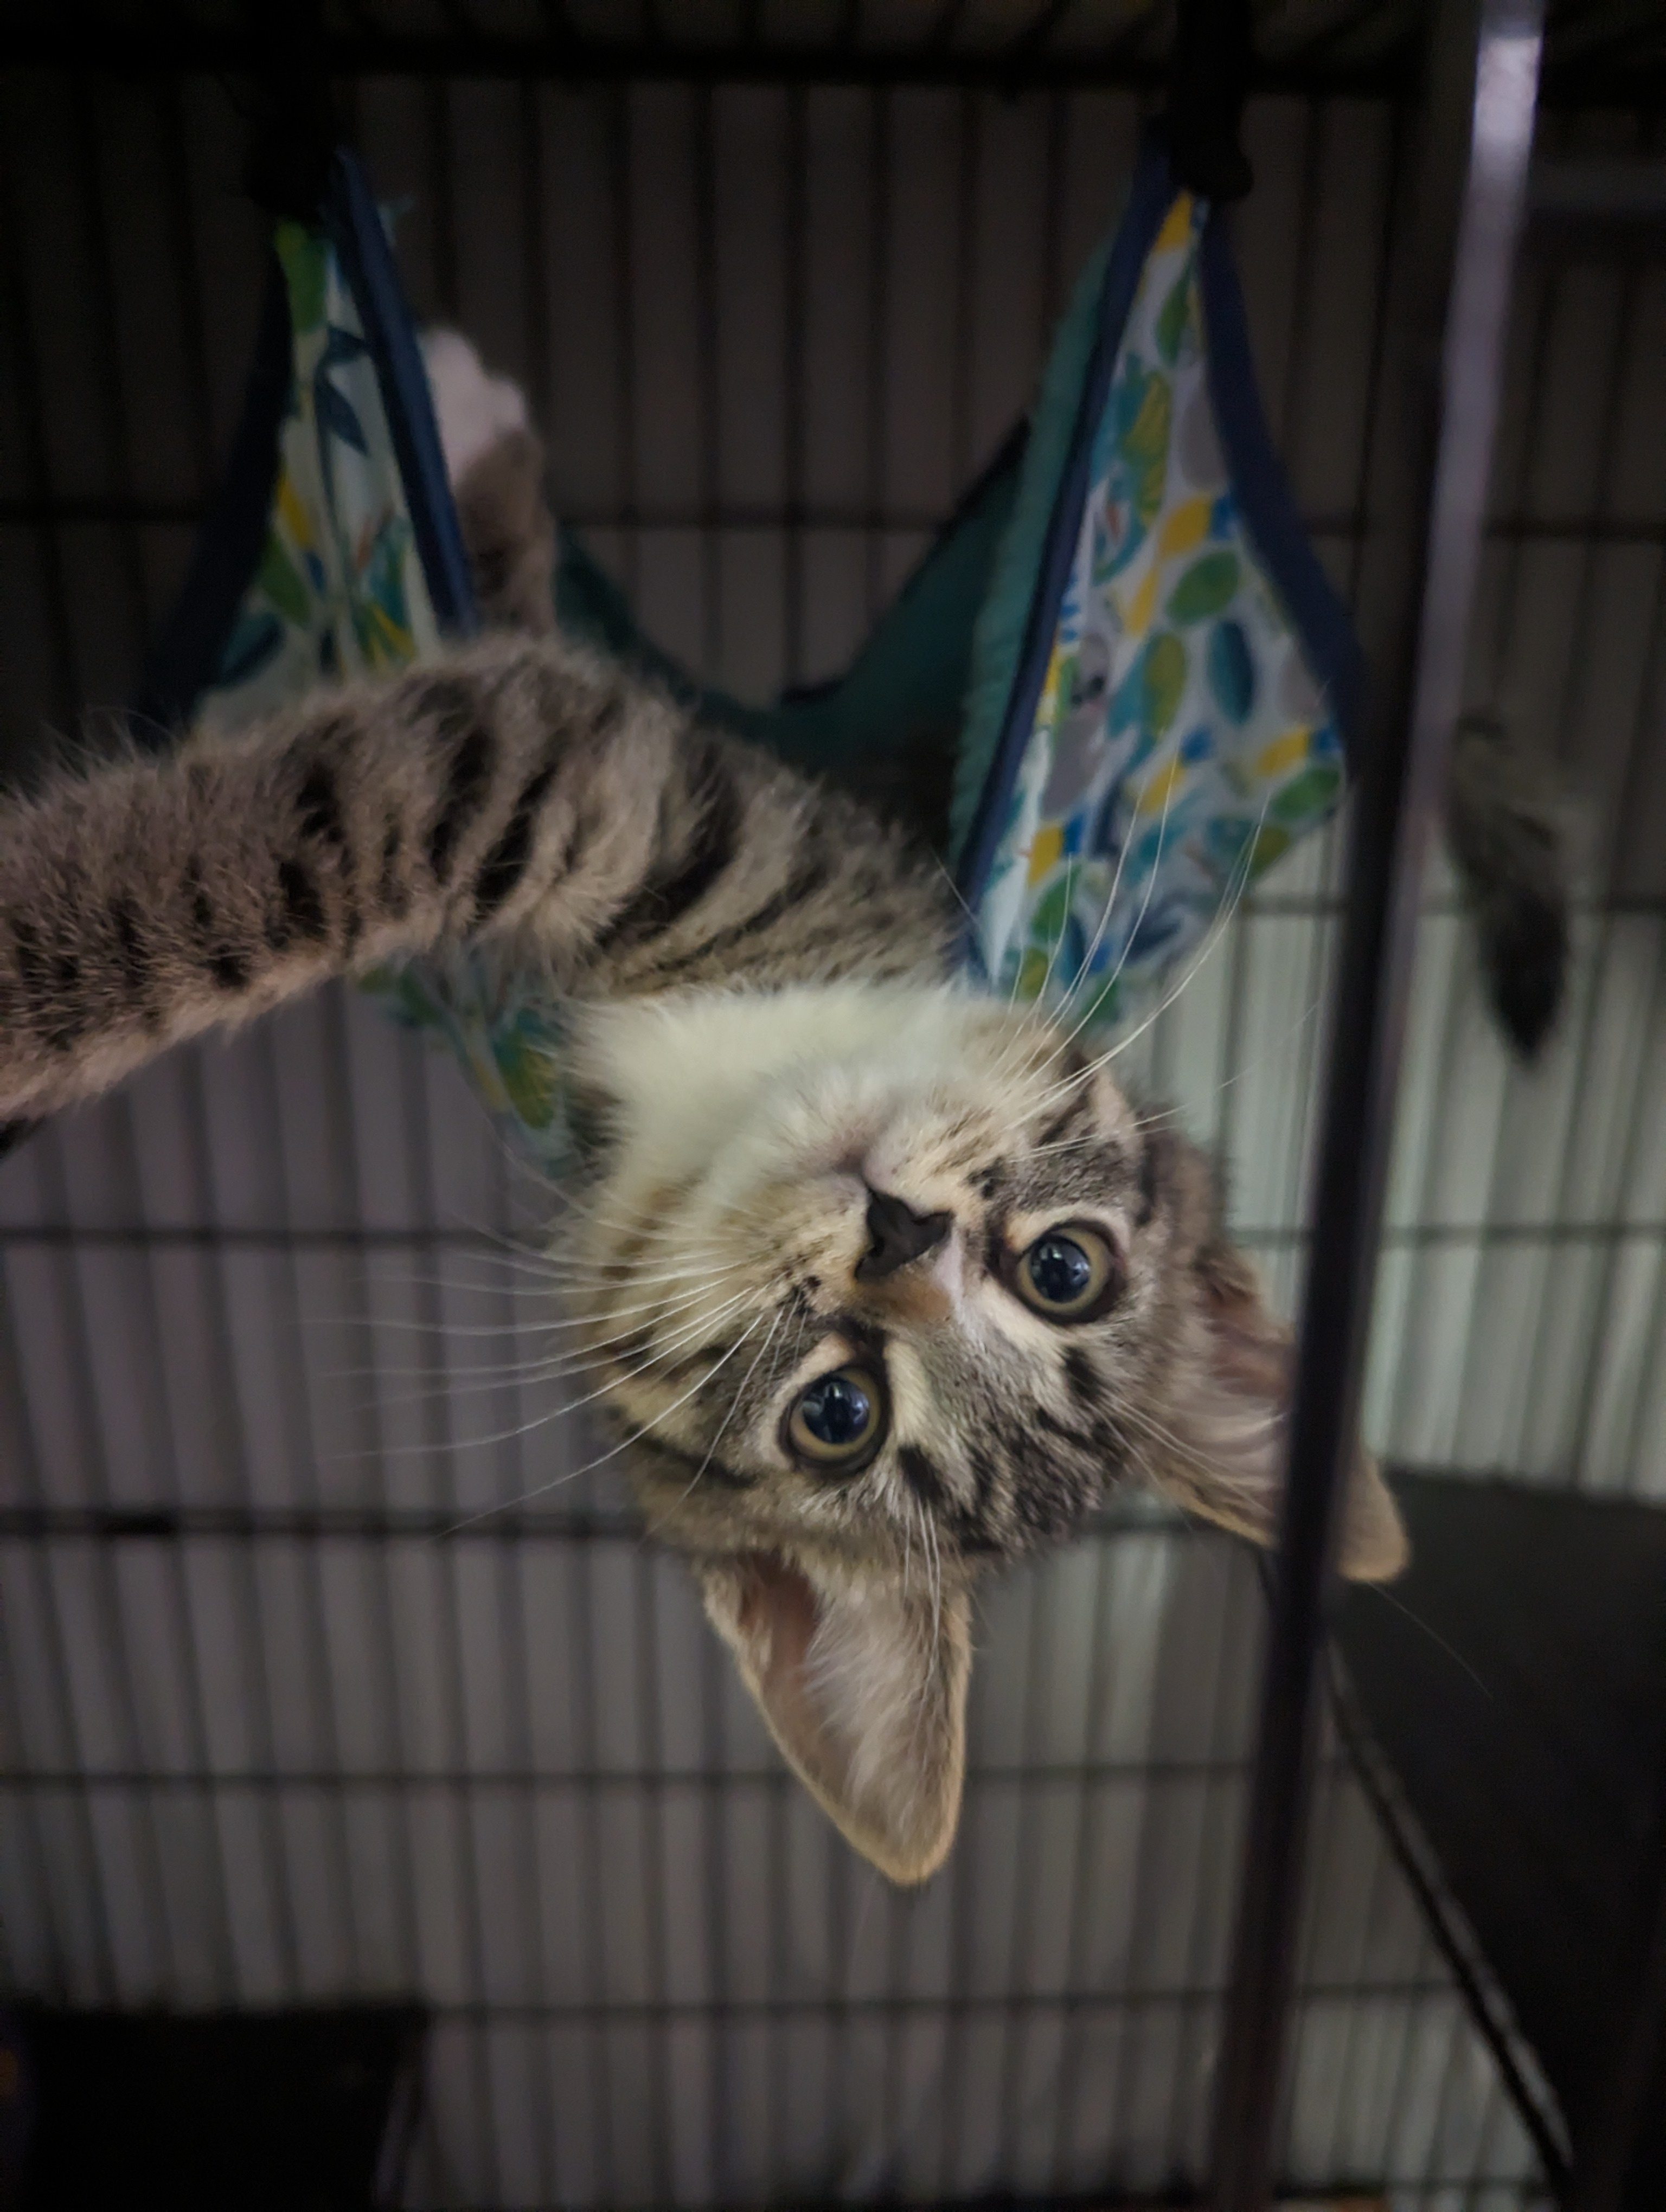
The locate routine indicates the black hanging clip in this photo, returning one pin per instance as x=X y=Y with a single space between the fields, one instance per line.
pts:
x=296 y=129
x=1208 y=79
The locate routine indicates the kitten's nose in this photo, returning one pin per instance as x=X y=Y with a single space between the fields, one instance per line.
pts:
x=898 y=1235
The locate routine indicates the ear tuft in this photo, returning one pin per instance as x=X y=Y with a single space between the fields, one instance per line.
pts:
x=1230 y=1419
x=864 y=1689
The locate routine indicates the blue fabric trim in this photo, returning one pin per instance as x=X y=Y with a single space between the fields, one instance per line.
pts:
x=1263 y=496
x=1150 y=197
x=187 y=657
x=998 y=631
x=355 y=225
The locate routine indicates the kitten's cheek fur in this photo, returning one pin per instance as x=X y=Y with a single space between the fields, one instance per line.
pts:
x=863 y=1690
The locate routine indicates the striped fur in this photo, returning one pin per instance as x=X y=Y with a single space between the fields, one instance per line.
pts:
x=521 y=798
x=768 y=1058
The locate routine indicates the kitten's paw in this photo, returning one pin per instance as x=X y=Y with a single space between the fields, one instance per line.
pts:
x=473 y=409
x=495 y=465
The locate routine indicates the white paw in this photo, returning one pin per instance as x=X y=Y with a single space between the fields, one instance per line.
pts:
x=473 y=409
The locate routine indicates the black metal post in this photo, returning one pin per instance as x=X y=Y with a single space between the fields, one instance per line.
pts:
x=1431 y=449
x=1607 y=2174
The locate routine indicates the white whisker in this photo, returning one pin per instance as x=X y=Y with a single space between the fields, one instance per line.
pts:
x=553 y=1374
x=1114 y=977
x=509 y=1504
x=746 y=1383
x=1105 y=911
x=1217 y=930
x=499 y=1375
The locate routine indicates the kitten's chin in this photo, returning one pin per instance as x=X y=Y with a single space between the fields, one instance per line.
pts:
x=807 y=1079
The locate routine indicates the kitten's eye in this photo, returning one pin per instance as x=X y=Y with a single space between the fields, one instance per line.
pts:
x=839 y=1421
x=1070 y=1273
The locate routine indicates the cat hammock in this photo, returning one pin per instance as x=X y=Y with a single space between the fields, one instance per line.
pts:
x=1144 y=678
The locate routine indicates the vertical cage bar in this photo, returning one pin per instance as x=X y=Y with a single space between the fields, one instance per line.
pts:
x=1539 y=1322
x=1604 y=2175
x=1055 y=276
x=593 y=1958
x=713 y=1749
x=184 y=252
x=114 y=1624
x=111 y=393
x=650 y=1723
x=706 y=371
x=1576 y=675
x=970 y=155
x=623 y=333
x=1451 y=285
x=535 y=266
x=29 y=1479
x=381 y=1629
x=1067 y=2083
x=32 y=432
x=877 y=304
x=1234 y=1632
x=306 y=1442
x=793 y=375
x=1610 y=2166
x=1651 y=688
x=1017 y=2026
x=172 y=1557
x=231 y=1424
x=438 y=1409
x=441 y=183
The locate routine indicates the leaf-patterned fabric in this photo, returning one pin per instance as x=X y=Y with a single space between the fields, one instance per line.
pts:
x=1181 y=741
x=506 y=1037
x=339 y=589
x=1170 y=742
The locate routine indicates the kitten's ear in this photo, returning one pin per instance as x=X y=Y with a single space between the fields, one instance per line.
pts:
x=1230 y=1415
x=865 y=1692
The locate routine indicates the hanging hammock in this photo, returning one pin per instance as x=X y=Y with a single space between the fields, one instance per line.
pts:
x=1121 y=649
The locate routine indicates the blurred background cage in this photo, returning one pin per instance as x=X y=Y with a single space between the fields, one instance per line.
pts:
x=777 y=279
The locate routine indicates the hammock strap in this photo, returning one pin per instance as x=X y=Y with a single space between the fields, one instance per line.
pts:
x=1208 y=79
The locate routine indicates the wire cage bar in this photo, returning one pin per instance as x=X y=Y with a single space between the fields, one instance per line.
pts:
x=1449 y=292
x=1370 y=48
x=268 y=1740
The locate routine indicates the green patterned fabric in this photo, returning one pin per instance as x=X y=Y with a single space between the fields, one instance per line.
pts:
x=506 y=1037
x=1181 y=744
x=339 y=590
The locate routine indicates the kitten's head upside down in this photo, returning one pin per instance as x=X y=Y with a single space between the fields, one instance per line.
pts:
x=883 y=1284
x=889 y=1286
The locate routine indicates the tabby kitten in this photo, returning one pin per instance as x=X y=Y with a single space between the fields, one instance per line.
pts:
x=886 y=1283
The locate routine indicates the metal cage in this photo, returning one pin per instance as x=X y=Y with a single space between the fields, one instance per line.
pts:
x=777 y=279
